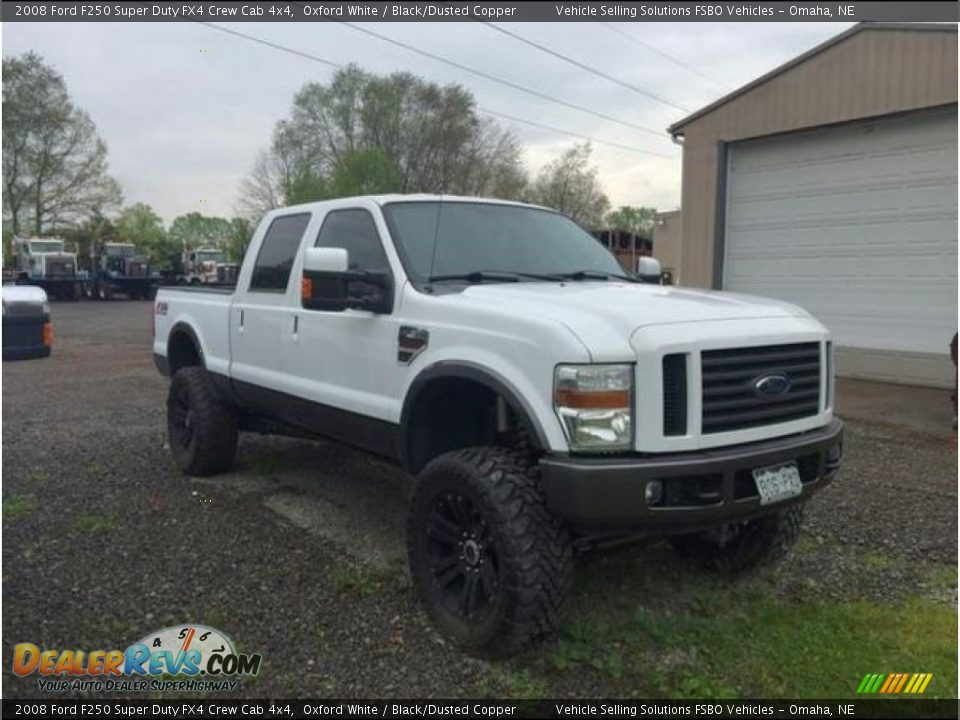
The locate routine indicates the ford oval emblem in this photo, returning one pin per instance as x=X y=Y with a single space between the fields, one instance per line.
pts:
x=771 y=386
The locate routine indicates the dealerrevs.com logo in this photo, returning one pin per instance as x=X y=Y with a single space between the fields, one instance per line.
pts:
x=183 y=657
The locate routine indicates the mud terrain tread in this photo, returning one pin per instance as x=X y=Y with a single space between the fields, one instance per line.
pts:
x=538 y=545
x=215 y=435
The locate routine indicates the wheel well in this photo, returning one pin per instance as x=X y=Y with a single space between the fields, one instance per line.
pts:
x=451 y=413
x=182 y=351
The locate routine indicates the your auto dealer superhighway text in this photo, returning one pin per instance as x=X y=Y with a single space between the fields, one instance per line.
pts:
x=411 y=709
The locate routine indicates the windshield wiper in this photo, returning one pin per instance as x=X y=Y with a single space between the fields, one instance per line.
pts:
x=595 y=275
x=478 y=276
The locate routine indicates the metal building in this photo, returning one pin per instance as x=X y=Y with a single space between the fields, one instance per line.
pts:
x=831 y=182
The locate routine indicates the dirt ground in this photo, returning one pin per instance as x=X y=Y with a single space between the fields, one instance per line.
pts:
x=299 y=553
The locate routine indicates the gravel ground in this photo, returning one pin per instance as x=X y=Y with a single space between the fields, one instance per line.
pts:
x=298 y=554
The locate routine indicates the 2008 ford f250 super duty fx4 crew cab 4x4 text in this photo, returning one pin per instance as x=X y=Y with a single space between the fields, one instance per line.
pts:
x=545 y=400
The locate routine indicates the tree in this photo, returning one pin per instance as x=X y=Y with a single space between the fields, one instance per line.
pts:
x=363 y=133
x=139 y=224
x=367 y=171
x=194 y=230
x=569 y=184
x=92 y=231
x=635 y=220
x=239 y=240
x=54 y=162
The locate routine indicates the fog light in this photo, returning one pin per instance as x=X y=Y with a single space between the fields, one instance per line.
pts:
x=835 y=452
x=653 y=492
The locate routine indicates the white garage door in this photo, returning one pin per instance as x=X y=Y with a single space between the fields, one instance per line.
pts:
x=857 y=224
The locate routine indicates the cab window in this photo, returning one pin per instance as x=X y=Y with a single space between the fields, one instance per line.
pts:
x=271 y=272
x=355 y=231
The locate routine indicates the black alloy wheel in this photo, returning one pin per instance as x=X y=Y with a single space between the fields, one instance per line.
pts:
x=463 y=556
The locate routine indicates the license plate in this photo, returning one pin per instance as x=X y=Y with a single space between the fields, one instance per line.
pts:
x=778 y=482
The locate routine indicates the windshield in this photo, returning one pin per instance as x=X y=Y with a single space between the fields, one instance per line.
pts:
x=46 y=246
x=210 y=255
x=120 y=250
x=453 y=238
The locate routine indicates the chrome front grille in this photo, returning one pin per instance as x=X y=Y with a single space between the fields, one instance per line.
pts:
x=755 y=386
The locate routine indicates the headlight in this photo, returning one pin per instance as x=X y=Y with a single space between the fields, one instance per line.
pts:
x=595 y=406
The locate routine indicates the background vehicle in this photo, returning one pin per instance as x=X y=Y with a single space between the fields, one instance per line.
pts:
x=206 y=265
x=46 y=263
x=117 y=268
x=27 y=331
x=546 y=401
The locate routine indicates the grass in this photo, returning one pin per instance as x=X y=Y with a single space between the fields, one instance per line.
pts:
x=771 y=648
x=94 y=523
x=18 y=507
x=514 y=685
x=356 y=579
x=651 y=626
x=269 y=462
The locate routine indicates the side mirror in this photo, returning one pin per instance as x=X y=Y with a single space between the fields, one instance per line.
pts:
x=325 y=260
x=328 y=284
x=648 y=269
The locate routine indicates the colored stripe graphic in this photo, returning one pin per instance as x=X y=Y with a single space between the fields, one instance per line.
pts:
x=894 y=683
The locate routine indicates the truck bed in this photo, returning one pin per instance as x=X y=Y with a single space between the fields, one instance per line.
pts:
x=203 y=308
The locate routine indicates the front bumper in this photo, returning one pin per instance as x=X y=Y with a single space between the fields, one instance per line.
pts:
x=700 y=489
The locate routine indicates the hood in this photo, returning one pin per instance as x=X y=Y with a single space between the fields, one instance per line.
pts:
x=604 y=314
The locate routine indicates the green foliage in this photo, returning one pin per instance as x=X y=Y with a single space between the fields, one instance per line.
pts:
x=363 y=133
x=660 y=627
x=140 y=225
x=54 y=161
x=239 y=239
x=94 y=523
x=366 y=171
x=356 y=580
x=515 y=685
x=636 y=220
x=17 y=507
x=195 y=230
x=572 y=186
x=94 y=230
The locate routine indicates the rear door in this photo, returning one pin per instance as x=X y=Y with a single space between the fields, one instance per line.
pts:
x=260 y=315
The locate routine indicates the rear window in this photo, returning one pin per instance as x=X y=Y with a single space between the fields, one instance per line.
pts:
x=271 y=272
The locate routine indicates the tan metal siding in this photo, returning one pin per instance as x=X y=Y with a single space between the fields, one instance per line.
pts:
x=871 y=73
x=666 y=242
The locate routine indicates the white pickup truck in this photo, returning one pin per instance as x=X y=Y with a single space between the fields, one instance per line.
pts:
x=546 y=401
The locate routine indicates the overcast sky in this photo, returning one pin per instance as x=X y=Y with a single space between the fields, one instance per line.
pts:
x=184 y=109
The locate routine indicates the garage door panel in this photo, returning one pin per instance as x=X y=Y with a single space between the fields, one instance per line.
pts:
x=857 y=224
x=828 y=236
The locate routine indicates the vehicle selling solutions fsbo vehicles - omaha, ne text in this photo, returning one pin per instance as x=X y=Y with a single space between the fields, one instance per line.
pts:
x=545 y=401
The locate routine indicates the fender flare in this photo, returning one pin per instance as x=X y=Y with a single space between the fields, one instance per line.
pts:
x=481 y=375
x=186 y=329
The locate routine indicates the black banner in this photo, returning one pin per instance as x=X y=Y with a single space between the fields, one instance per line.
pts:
x=205 y=708
x=458 y=10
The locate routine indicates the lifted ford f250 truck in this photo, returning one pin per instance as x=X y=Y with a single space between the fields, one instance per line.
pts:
x=545 y=401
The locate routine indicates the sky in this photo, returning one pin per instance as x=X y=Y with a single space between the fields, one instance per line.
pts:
x=185 y=109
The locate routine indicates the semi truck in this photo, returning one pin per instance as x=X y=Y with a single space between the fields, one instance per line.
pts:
x=546 y=400
x=118 y=268
x=46 y=263
x=208 y=265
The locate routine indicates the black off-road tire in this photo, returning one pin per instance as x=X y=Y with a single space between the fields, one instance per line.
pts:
x=752 y=543
x=201 y=429
x=528 y=550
